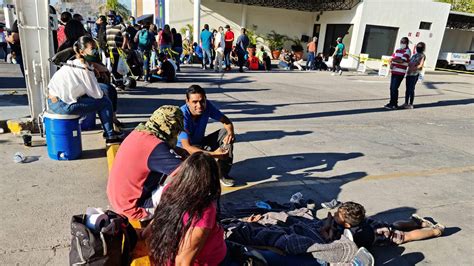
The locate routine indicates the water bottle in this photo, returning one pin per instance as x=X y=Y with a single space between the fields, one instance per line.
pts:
x=19 y=157
x=263 y=205
x=296 y=198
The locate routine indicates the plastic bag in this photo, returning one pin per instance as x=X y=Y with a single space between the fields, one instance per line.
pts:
x=122 y=68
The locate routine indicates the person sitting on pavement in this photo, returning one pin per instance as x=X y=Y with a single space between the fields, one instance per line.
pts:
x=144 y=163
x=184 y=229
x=165 y=72
x=197 y=54
x=253 y=62
x=367 y=232
x=219 y=144
x=266 y=62
x=74 y=89
x=285 y=60
x=296 y=61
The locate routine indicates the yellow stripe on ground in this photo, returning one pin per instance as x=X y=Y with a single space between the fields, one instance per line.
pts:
x=448 y=170
x=439 y=171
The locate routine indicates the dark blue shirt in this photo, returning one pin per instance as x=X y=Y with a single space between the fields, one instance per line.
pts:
x=206 y=39
x=196 y=129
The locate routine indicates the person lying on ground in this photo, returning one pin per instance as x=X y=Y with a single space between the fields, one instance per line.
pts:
x=74 y=89
x=184 y=229
x=144 y=163
x=367 y=232
x=165 y=72
x=219 y=144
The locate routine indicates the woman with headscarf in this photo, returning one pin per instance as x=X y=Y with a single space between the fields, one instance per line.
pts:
x=144 y=163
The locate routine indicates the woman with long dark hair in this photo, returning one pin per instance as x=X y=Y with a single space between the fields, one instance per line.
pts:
x=184 y=229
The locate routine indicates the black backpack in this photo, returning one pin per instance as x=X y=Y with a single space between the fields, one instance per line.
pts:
x=113 y=245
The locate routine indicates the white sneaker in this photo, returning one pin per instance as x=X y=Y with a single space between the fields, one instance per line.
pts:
x=340 y=72
x=333 y=74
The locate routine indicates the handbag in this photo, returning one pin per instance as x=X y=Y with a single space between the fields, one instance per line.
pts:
x=113 y=245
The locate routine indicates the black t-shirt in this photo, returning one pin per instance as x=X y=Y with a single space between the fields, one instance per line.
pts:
x=16 y=47
x=168 y=71
x=131 y=34
x=178 y=40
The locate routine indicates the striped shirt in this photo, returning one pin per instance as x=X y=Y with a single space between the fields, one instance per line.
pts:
x=401 y=68
x=115 y=35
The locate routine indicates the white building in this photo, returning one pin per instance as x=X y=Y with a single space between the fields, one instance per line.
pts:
x=370 y=26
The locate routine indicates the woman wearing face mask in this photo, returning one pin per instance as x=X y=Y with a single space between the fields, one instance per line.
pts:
x=74 y=89
x=415 y=66
x=398 y=66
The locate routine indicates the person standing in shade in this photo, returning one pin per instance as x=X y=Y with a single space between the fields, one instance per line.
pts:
x=177 y=47
x=229 y=42
x=219 y=144
x=398 y=66
x=241 y=48
x=145 y=39
x=14 y=40
x=206 y=45
x=61 y=35
x=116 y=39
x=311 y=49
x=339 y=52
x=415 y=66
x=219 y=46
x=3 y=43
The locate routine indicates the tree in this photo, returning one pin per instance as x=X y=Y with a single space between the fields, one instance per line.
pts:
x=119 y=8
x=460 y=5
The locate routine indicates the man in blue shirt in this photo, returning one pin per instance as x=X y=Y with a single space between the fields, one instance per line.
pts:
x=206 y=45
x=219 y=144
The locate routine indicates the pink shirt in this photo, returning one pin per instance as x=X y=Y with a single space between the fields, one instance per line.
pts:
x=214 y=249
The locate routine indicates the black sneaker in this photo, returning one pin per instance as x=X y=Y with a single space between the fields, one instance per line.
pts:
x=390 y=107
x=227 y=181
x=113 y=140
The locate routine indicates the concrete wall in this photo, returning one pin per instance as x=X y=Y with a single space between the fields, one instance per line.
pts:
x=459 y=41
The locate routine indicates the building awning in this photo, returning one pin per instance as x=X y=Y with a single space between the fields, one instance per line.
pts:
x=145 y=17
x=302 y=5
x=460 y=20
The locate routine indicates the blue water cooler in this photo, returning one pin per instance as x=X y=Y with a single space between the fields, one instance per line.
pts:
x=63 y=136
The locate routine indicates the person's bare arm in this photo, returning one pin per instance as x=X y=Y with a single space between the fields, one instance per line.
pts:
x=191 y=246
x=125 y=42
x=218 y=153
x=229 y=127
x=335 y=51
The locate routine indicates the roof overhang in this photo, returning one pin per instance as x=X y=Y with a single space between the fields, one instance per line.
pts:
x=302 y=5
x=460 y=20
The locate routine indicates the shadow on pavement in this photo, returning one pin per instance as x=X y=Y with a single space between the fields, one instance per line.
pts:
x=93 y=154
x=13 y=99
x=12 y=83
x=352 y=111
x=269 y=134
x=283 y=175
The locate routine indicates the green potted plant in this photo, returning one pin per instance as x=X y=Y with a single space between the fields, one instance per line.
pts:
x=275 y=42
x=297 y=48
x=186 y=28
x=253 y=38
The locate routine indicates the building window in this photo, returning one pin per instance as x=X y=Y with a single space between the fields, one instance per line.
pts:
x=425 y=25
x=379 y=41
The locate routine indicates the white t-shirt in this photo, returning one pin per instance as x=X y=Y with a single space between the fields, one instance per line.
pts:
x=219 y=42
x=69 y=83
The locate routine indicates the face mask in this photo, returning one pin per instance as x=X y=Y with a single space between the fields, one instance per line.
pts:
x=92 y=57
x=403 y=46
x=419 y=49
x=110 y=21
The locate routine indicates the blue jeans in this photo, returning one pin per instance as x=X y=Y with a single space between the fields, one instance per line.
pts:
x=146 y=64
x=284 y=65
x=395 y=82
x=111 y=92
x=310 y=61
x=206 y=56
x=227 y=57
x=85 y=105
x=410 y=82
x=177 y=57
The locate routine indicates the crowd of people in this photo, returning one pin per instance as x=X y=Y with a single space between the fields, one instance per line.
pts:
x=168 y=172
